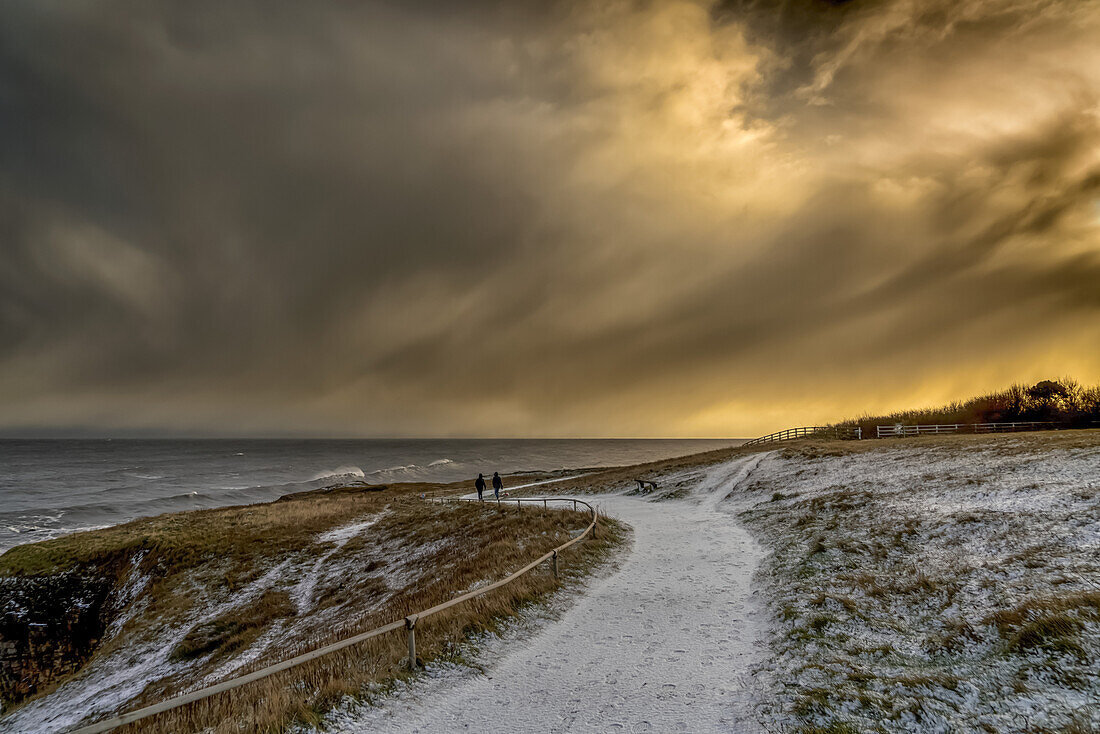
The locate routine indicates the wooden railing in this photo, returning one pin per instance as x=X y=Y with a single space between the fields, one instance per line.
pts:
x=855 y=432
x=842 y=432
x=900 y=430
x=408 y=623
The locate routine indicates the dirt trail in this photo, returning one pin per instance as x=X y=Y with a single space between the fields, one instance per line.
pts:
x=664 y=644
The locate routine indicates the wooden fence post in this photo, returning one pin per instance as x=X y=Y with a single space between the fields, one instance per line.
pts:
x=410 y=625
x=555 y=561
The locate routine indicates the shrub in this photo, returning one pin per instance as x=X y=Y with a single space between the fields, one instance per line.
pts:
x=1064 y=402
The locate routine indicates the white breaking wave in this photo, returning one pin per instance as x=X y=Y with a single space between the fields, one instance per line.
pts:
x=354 y=471
x=396 y=469
x=350 y=470
x=339 y=472
x=410 y=468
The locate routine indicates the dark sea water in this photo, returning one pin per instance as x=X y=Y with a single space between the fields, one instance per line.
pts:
x=50 y=487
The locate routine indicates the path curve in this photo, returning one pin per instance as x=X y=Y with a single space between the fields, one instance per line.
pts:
x=666 y=643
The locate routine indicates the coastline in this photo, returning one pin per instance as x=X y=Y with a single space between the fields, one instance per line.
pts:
x=787 y=486
x=112 y=619
x=52 y=487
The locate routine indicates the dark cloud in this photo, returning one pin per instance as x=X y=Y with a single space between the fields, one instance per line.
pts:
x=540 y=218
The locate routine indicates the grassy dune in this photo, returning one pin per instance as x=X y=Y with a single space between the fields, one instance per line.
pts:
x=203 y=596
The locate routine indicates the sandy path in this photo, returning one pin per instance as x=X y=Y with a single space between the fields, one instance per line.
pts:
x=663 y=644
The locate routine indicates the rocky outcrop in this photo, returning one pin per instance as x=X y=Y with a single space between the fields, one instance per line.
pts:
x=49 y=626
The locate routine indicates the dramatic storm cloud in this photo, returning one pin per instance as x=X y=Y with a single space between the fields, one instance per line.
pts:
x=519 y=218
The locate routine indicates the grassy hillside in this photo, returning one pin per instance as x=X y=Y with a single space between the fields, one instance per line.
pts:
x=180 y=601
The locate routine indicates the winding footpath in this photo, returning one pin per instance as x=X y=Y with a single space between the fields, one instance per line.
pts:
x=665 y=643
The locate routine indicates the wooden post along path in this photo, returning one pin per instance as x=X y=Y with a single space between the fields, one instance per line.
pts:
x=410 y=625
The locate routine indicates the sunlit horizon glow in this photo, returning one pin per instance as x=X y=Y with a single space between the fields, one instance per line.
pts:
x=557 y=219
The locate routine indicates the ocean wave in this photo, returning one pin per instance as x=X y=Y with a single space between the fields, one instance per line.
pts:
x=126 y=505
x=17 y=535
x=393 y=470
x=410 y=468
x=30 y=523
x=396 y=469
x=339 y=473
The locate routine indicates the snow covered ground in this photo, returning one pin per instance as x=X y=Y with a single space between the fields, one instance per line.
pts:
x=941 y=585
x=938 y=585
x=664 y=644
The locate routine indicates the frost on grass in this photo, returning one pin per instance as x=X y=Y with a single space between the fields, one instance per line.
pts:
x=934 y=585
x=201 y=634
x=210 y=595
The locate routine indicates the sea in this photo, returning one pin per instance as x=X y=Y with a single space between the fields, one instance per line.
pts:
x=57 y=486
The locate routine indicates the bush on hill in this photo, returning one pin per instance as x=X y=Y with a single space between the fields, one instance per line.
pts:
x=1064 y=402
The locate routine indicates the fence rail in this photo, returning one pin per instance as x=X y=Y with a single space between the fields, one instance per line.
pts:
x=842 y=432
x=408 y=623
x=900 y=430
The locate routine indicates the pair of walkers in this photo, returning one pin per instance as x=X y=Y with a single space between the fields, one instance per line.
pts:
x=498 y=484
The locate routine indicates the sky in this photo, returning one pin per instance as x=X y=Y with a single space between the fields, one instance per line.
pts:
x=539 y=219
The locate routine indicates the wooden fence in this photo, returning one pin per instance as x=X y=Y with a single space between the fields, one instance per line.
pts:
x=900 y=430
x=408 y=623
x=841 y=432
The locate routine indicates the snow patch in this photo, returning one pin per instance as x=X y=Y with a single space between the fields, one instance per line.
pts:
x=302 y=594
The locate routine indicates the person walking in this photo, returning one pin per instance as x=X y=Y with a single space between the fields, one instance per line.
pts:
x=498 y=484
x=480 y=484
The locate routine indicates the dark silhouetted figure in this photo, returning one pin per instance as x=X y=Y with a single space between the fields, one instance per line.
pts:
x=480 y=484
x=498 y=484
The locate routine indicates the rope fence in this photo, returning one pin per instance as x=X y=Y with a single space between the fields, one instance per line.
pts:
x=409 y=624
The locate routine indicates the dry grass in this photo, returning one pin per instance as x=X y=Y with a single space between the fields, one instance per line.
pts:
x=414 y=556
x=824 y=449
x=1051 y=623
x=305 y=693
x=185 y=539
x=233 y=631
